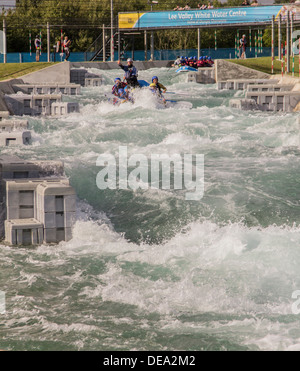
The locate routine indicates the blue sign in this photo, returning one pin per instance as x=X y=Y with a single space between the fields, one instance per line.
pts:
x=188 y=18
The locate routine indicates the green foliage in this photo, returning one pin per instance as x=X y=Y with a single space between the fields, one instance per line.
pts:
x=82 y=20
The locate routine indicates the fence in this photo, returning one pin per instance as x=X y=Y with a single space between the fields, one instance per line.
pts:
x=138 y=55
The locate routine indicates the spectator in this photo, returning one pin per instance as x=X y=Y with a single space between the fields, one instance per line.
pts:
x=254 y=3
x=66 y=45
x=245 y=3
x=37 y=44
x=210 y=6
x=187 y=7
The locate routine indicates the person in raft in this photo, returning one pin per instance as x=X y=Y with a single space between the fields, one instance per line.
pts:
x=158 y=88
x=131 y=73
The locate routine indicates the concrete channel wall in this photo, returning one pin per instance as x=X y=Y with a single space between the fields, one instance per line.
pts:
x=37 y=203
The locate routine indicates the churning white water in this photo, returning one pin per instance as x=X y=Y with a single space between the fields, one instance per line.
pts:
x=147 y=269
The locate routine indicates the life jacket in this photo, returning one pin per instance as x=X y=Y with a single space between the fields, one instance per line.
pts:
x=157 y=88
x=118 y=90
x=200 y=64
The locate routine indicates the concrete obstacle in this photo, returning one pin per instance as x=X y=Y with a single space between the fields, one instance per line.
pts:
x=64 y=108
x=93 y=81
x=14 y=132
x=36 y=105
x=39 y=205
x=13 y=125
x=243 y=84
x=36 y=89
x=15 y=138
x=285 y=101
x=204 y=75
x=24 y=232
x=244 y=104
x=82 y=77
x=31 y=105
x=269 y=87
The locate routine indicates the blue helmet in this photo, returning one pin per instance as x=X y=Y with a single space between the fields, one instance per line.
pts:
x=209 y=58
x=117 y=79
x=154 y=77
x=201 y=58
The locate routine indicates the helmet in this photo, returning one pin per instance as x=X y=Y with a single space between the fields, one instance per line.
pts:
x=195 y=57
x=209 y=58
x=181 y=57
x=201 y=58
x=117 y=79
x=129 y=60
x=154 y=77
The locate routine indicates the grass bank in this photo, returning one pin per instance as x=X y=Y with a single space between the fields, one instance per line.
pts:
x=264 y=64
x=14 y=70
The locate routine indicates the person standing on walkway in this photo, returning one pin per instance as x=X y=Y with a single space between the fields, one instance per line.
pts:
x=243 y=46
x=67 y=43
x=37 y=44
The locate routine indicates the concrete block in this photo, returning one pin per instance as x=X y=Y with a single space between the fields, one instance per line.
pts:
x=49 y=204
x=49 y=220
x=59 y=220
x=26 y=212
x=23 y=232
x=70 y=203
x=93 y=81
x=26 y=197
x=12 y=212
x=12 y=125
x=69 y=219
x=68 y=234
x=77 y=76
x=243 y=104
x=37 y=89
x=268 y=87
x=4 y=114
x=12 y=167
x=205 y=75
x=60 y=234
x=225 y=85
x=50 y=235
x=15 y=138
x=64 y=108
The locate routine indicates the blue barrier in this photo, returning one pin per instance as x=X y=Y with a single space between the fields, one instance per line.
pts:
x=139 y=55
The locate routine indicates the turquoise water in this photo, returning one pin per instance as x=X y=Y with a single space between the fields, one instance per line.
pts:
x=147 y=269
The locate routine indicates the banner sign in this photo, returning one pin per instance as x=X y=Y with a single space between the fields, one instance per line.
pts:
x=194 y=18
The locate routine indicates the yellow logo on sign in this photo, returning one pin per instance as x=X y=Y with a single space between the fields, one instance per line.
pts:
x=129 y=20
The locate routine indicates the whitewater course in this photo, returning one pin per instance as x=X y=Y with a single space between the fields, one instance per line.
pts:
x=147 y=268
